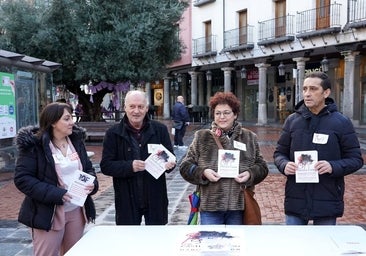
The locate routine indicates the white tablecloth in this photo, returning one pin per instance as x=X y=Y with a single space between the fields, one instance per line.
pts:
x=247 y=240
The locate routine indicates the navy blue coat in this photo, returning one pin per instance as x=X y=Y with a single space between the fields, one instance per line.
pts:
x=35 y=176
x=180 y=113
x=342 y=151
x=132 y=188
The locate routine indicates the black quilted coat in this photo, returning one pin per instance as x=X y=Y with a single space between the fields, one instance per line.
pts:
x=36 y=177
x=342 y=151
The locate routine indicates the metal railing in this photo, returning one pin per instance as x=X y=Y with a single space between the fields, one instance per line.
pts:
x=238 y=37
x=198 y=3
x=277 y=27
x=357 y=11
x=204 y=45
x=318 y=18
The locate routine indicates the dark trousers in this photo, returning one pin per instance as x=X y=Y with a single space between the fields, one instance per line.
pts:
x=179 y=134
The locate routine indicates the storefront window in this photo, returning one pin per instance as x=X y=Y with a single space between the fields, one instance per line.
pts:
x=25 y=91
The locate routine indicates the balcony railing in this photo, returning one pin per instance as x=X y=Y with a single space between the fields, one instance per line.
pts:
x=356 y=13
x=281 y=27
x=239 y=38
x=204 y=46
x=322 y=18
x=198 y=3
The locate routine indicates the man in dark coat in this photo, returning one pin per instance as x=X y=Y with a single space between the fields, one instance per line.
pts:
x=317 y=125
x=180 y=117
x=125 y=148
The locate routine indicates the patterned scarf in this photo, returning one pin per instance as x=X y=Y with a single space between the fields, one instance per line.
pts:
x=219 y=132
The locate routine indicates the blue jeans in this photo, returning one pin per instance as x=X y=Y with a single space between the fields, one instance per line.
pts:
x=221 y=217
x=294 y=220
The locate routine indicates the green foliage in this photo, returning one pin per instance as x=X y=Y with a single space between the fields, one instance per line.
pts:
x=19 y=24
x=95 y=40
x=138 y=39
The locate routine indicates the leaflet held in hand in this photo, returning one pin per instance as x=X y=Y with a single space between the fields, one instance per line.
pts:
x=155 y=163
x=77 y=188
x=305 y=161
x=228 y=163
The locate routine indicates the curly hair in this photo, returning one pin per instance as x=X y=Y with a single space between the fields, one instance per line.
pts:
x=225 y=98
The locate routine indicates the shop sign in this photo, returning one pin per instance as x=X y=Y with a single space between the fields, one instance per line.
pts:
x=252 y=77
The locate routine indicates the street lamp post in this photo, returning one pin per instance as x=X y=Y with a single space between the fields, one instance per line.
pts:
x=209 y=75
x=281 y=69
x=243 y=73
x=325 y=64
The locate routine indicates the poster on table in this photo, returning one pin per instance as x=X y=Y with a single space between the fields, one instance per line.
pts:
x=7 y=106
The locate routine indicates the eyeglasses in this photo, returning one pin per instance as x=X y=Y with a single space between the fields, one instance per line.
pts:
x=225 y=113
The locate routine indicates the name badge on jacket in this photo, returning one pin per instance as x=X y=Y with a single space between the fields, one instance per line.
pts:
x=240 y=145
x=319 y=138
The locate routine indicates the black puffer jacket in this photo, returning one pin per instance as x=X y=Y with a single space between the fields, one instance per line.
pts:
x=36 y=177
x=342 y=151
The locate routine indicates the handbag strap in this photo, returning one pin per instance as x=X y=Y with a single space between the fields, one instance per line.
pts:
x=217 y=141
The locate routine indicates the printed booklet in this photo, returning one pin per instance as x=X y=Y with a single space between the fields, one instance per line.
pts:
x=305 y=161
x=228 y=163
x=155 y=163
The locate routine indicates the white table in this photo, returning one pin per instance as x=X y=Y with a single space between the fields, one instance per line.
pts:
x=254 y=240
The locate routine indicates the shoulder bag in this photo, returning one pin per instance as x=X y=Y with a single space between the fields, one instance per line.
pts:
x=252 y=212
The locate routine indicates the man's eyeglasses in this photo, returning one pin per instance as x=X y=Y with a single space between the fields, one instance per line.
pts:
x=225 y=113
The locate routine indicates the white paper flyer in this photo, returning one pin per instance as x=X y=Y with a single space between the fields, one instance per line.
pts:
x=305 y=161
x=77 y=188
x=228 y=163
x=155 y=163
x=210 y=243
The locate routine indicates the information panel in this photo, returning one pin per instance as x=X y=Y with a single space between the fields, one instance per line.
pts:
x=7 y=106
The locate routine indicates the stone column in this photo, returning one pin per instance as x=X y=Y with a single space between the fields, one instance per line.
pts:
x=183 y=85
x=208 y=96
x=200 y=88
x=300 y=74
x=227 y=78
x=193 y=87
x=262 y=102
x=349 y=78
x=148 y=92
x=240 y=94
x=166 y=109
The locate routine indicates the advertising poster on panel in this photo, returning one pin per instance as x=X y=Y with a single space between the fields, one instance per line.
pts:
x=158 y=97
x=7 y=106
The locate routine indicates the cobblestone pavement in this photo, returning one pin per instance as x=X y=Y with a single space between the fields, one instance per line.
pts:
x=15 y=238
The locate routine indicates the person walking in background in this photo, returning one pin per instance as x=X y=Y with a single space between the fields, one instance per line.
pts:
x=125 y=149
x=78 y=111
x=317 y=126
x=222 y=199
x=49 y=157
x=111 y=106
x=180 y=117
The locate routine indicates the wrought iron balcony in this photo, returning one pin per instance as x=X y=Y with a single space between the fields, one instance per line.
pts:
x=204 y=46
x=356 y=14
x=276 y=30
x=198 y=3
x=238 y=39
x=319 y=21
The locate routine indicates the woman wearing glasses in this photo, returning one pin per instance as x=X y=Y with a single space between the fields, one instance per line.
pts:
x=222 y=174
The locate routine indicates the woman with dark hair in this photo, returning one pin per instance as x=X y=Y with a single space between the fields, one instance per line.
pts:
x=49 y=158
x=222 y=199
